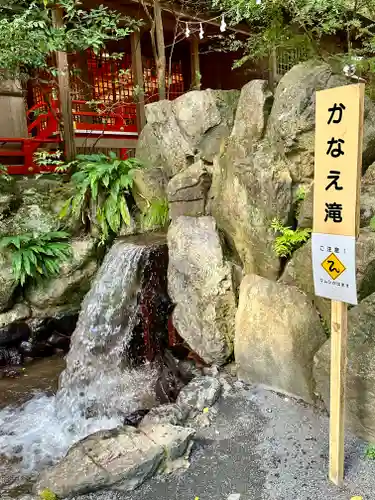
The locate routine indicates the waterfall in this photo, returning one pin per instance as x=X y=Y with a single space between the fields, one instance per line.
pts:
x=97 y=387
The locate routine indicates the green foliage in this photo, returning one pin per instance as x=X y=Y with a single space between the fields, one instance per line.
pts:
x=288 y=240
x=47 y=495
x=101 y=184
x=4 y=173
x=28 y=35
x=156 y=214
x=289 y=24
x=36 y=256
x=300 y=194
x=43 y=158
x=370 y=452
x=372 y=223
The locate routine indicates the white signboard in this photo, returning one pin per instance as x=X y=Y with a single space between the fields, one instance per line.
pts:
x=334 y=267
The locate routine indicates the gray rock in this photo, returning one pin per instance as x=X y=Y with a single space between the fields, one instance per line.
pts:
x=368 y=196
x=248 y=191
x=149 y=184
x=290 y=129
x=72 y=283
x=161 y=143
x=278 y=332
x=200 y=284
x=17 y=313
x=119 y=460
x=188 y=191
x=196 y=112
x=298 y=272
x=7 y=282
x=252 y=113
x=200 y=393
x=360 y=379
x=305 y=211
x=174 y=414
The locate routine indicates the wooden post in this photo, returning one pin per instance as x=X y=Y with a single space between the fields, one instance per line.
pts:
x=195 y=67
x=161 y=60
x=64 y=92
x=135 y=40
x=272 y=69
x=339 y=331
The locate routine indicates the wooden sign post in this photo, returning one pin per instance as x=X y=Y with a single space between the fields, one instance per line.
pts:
x=338 y=164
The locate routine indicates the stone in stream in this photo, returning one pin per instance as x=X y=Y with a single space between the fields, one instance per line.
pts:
x=13 y=334
x=120 y=459
x=200 y=392
x=174 y=414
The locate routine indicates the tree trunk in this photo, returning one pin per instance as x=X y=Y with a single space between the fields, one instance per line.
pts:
x=161 y=61
x=64 y=93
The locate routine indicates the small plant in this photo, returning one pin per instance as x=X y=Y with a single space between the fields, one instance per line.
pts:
x=47 y=495
x=4 y=173
x=43 y=158
x=156 y=214
x=300 y=194
x=102 y=183
x=36 y=256
x=370 y=452
x=288 y=240
x=372 y=223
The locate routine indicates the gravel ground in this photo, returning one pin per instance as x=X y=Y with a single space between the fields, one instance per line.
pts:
x=260 y=446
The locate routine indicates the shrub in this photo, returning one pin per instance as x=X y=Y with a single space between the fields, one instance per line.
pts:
x=35 y=256
x=101 y=183
x=370 y=452
x=4 y=173
x=288 y=240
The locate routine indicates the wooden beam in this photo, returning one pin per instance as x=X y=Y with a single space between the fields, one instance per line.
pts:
x=339 y=333
x=195 y=66
x=64 y=91
x=135 y=40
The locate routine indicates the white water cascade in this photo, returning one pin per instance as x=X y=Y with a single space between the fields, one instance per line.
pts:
x=96 y=389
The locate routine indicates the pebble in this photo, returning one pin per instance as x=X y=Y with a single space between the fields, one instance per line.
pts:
x=234 y=496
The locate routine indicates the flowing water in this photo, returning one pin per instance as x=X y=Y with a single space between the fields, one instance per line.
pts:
x=97 y=387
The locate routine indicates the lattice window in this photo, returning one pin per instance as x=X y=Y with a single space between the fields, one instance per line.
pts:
x=286 y=59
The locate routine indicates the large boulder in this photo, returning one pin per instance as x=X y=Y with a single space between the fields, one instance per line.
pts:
x=200 y=284
x=161 y=143
x=149 y=185
x=119 y=460
x=368 y=196
x=188 y=191
x=278 y=332
x=66 y=291
x=360 y=379
x=252 y=113
x=248 y=192
x=299 y=273
x=193 y=126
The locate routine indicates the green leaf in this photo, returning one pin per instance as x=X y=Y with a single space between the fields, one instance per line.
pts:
x=124 y=211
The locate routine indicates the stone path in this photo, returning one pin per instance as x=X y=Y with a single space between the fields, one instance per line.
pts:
x=260 y=446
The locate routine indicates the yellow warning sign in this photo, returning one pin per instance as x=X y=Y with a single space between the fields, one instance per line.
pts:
x=333 y=265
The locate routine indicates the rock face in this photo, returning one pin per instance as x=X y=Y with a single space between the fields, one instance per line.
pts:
x=251 y=185
x=7 y=283
x=200 y=284
x=200 y=392
x=188 y=191
x=179 y=133
x=278 y=333
x=360 y=400
x=119 y=460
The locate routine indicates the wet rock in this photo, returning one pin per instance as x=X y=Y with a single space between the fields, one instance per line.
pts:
x=18 y=313
x=136 y=417
x=10 y=356
x=278 y=332
x=68 y=289
x=63 y=323
x=174 y=414
x=120 y=460
x=14 y=334
x=200 y=284
x=200 y=392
